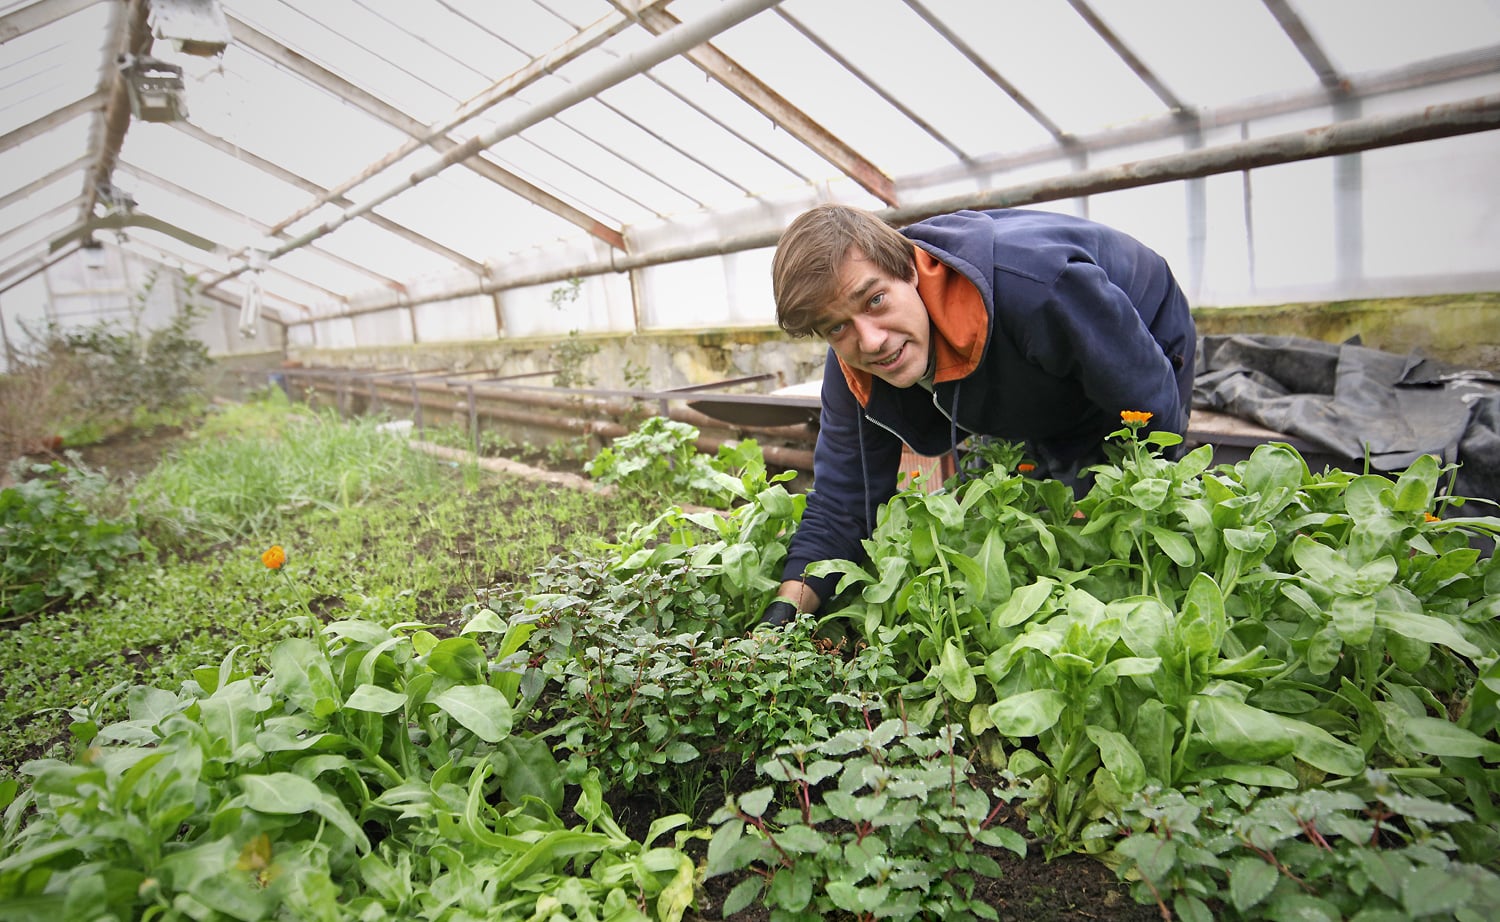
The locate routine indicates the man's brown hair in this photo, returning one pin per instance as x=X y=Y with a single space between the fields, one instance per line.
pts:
x=804 y=271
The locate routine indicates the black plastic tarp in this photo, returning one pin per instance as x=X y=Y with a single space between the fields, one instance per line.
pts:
x=1359 y=403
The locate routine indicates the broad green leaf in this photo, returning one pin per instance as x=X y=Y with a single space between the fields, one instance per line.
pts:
x=744 y=893
x=459 y=658
x=1322 y=750
x=289 y=794
x=526 y=768
x=1354 y=618
x=1417 y=485
x=1240 y=731
x=791 y=887
x=1024 y=603
x=1150 y=492
x=300 y=672
x=1434 y=736
x=375 y=700
x=955 y=673
x=482 y=710
x=1119 y=758
x=1425 y=627
x=1029 y=713
x=1174 y=545
x=1322 y=565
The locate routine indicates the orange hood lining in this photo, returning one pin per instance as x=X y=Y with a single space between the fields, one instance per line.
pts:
x=960 y=324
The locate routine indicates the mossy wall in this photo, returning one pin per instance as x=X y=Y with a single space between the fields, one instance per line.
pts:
x=1462 y=329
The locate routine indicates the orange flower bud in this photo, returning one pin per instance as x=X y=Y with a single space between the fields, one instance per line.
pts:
x=1025 y=467
x=274 y=557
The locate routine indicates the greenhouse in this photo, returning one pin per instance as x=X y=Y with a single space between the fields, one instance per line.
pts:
x=738 y=459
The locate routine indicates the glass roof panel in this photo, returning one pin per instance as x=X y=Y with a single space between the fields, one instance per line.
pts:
x=794 y=67
x=776 y=150
x=907 y=57
x=1085 y=90
x=1210 y=54
x=272 y=113
x=1394 y=33
x=51 y=67
x=44 y=153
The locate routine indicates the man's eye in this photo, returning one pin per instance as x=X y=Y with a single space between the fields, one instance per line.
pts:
x=877 y=300
x=834 y=330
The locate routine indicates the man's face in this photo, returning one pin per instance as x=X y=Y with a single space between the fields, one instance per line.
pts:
x=877 y=323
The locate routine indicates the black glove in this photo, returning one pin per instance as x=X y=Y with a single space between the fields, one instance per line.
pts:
x=779 y=613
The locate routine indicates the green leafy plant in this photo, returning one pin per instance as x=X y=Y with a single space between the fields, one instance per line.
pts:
x=876 y=821
x=655 y=705
x=1375 y=853
x=369 y=772
x=1255 y=624
x=55 y=548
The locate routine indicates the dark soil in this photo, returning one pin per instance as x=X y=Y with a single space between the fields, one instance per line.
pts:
x=1072 y=888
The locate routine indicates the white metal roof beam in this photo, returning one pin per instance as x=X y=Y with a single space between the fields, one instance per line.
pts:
x=1129 y=57
x=771 y=104
x=1307 y=46
x=34 y=129
x=384 y=111
x=209 y=204
x=307 y=185
x=39 y=15
x=130 y=34
x=910 y=113
x=1447 y=69
x=42 y=182
x=1010 y=89
x=587 y=39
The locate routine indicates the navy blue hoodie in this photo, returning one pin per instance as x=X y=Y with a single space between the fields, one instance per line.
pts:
x=1073 y=322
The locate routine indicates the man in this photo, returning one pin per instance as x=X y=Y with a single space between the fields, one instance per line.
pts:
x=1022 y=325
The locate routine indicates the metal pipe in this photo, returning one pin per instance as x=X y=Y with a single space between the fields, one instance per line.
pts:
x=1480 y=113
x=672 y=43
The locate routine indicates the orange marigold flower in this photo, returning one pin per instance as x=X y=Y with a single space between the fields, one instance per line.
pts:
x=274 y=557
x=1429 y=517
x=1025 y=467
x=1135 y=416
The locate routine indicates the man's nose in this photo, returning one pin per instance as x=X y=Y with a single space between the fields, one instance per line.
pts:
x=871 y=334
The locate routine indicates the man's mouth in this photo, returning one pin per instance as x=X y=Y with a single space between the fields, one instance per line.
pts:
x=896 y=357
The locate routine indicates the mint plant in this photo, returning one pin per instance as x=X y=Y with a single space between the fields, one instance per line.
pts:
x=660 y=458
x=880 y=820
x=53 y=547
x=1368 y=852
x=660 y=708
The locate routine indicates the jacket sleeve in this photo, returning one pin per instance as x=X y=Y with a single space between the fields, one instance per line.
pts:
x=1091 y=331
x=855 y=464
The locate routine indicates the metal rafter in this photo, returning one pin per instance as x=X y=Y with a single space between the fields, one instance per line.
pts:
x=306 y=185
x=1307 y=46
x=584 y=41
x=1118 y=46
x=203 y=201
x=130 y=35
x=890 y=98
x=974 y=57
x=280 y=54
x=39 y=15
x=735 y=78
x=93 y=102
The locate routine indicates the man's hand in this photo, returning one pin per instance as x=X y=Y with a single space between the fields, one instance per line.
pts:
x=778 y=614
